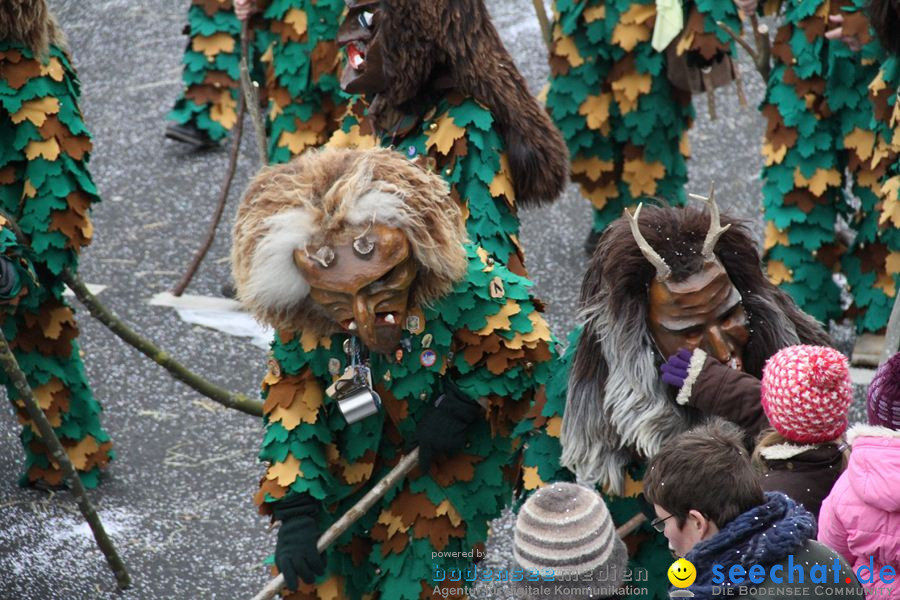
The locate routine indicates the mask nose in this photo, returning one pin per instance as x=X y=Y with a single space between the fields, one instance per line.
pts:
x=717 y=345
x=365 y=320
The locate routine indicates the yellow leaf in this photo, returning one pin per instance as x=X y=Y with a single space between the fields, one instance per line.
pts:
x=638 y=13
x=48 y=149
x=483 y=255
x=310 y=341
x=444 y=135
x=596 y=110
x=684 y=145
x=641 y=176
x=330 y=589
x=778 y=272
x=774 y=236
x=78 y=454
x=501 y=319
x=539 y=331
x=890 y=209
x=530 y=478
x=296 y=18
x=632 y=488
x=565 y=47
x=394 y=522
x=595 y=13
x=36 y=111
x=351 y=139
x=885 y=283
x=627 y=89
x=224 y=111
x=44 y=393
x=627 y=36
x=599 y=196
x=28 y=190
x=502 y=183
x=895 y=118
x=820 y=180
x=877 y=84
x=285 y=472
x=593 y=167
x=554 y=426
x=54 y=69
x=211 y=45
x=58 y=317
x=298 y=141
x=862 y=141
x=684 y=43
x=357 y=472
x=773 y=157
x=445 y=508
x=892 y=262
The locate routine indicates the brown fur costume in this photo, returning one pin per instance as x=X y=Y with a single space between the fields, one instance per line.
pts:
x=423 y=41
x=29 y=22
x=616 y=402
x=348 y=191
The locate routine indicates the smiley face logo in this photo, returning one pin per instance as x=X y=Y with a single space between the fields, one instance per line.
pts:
x=682 y=573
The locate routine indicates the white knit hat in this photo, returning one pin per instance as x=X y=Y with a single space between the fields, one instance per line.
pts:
x=567 y=528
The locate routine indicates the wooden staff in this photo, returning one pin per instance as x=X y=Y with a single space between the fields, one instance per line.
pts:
x=58 y=455
x=544 y=22
x=406 y=464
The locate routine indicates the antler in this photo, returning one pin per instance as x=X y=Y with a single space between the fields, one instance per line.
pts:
x=715 y=225
x=662 y=269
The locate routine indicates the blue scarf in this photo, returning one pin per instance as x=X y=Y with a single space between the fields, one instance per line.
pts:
x=764 y=535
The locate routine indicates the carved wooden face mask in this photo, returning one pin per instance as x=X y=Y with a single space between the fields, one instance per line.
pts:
x=358 y=35
x=363 y=283
x=703 y=311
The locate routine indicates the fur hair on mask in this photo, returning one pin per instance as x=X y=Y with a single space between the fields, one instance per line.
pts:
x=325 y=193
x=30 y=23
x=616 y=403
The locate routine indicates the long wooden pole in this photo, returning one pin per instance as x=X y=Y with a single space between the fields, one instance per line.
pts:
x=156 y=354
x=58 y=454
x=399 y=471
x=544 y=22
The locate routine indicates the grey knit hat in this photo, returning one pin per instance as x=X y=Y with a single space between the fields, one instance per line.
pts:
x=567 y=528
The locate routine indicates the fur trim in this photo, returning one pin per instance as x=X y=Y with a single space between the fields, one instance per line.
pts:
x=698 y=359
x=863 y=430
x=325 y=194
x=457 y=38
x=30 y=23
x=784 y=451
x=616 y=404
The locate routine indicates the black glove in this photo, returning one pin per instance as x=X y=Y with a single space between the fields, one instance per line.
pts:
x=295 y=551
x=8 y=277
x=443 y=428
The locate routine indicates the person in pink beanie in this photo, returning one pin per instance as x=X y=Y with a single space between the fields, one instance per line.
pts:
x=861 y=517
x=806 y=393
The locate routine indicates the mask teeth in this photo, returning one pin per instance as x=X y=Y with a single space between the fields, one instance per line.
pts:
x=733 y=363
x=389 y=318
x=352 y=326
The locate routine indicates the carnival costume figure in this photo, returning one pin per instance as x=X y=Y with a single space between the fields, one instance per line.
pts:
x=46 y=187
x=674 y=290
x=358 y=259
x=621 y=77
x=435 y=82
x=820 y=142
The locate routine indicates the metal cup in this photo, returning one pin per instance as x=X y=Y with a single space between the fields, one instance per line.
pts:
x=356 y=401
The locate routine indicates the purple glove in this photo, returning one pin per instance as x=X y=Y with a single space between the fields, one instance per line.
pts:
x=675 y=370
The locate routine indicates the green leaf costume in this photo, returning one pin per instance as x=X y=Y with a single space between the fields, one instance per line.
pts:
x=45 y=185
x=624 y=122
x=819 y=131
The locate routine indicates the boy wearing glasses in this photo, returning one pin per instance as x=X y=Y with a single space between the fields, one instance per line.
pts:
x=742 y=542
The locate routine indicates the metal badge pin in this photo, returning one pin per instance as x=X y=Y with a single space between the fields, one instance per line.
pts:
x=398 y=354
x=348 y=347
x=274 y=367
x=428 y=358
x=496 y=288
x=334 y=366
x=426 y=340
x=413 y=323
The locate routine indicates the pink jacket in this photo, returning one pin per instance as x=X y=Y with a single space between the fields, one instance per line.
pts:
x=860 y=518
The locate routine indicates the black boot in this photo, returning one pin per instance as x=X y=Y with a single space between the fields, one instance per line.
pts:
x=189 y=134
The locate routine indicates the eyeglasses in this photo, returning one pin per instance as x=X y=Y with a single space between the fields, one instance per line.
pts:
x=659 y=524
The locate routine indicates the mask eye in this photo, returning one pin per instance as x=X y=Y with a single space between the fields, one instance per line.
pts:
x=366 y=19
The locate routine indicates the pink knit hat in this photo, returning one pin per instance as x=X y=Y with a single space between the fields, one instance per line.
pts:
x=806 y=393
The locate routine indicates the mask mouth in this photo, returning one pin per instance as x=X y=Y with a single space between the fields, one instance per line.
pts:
x=356 y=54
x=735 y=364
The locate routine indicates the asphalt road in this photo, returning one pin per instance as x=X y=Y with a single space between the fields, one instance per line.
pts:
x=177 y=499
